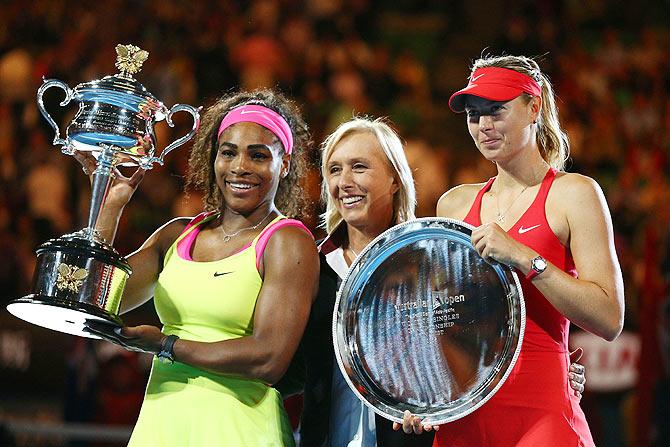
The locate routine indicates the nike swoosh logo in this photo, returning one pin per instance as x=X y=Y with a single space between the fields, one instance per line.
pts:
x=473 y=80
x=221 y=274
x=523 y=230
x=244 y=112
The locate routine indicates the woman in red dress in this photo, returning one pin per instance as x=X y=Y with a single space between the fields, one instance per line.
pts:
x=555 y=229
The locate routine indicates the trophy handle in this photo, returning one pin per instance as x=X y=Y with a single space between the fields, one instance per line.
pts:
x=147 y=162
x=69 y=93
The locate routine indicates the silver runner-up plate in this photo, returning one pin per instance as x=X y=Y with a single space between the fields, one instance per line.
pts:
x=423 y=323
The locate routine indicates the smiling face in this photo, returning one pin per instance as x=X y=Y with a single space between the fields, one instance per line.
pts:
x=501 y=128
x=249 y=163
x=361 y=182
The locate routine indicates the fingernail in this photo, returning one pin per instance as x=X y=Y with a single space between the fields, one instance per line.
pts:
x=117 y=330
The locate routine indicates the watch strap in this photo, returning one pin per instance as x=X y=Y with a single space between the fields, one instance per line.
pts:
x=166 y=352
x=532 y=273
x=534 y=270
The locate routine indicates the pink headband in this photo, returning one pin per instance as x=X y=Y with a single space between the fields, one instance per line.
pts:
x=496 y=84
x=264 y=116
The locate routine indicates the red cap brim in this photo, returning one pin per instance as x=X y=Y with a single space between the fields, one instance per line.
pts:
x=486 y=91
x=495 y=84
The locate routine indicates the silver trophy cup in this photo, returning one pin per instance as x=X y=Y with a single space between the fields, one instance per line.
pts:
x=423 y=323
x=79 y=276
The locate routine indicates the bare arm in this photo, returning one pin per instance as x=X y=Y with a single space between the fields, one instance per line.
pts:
x=456 y=202
x=594 y=301
x=146 y=261
x=118 y=195
x=289 y=287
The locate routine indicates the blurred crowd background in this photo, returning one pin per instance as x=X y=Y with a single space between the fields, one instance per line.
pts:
x=609 y=62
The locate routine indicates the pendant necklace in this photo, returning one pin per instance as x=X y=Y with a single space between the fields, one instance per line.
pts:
x=227 y=237
x=501 y=215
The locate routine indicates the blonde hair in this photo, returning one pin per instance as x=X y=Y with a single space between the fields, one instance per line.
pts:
x=404 y=200
x=551 y=139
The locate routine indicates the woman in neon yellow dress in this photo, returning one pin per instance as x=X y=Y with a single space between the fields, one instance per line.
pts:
x=233 y=286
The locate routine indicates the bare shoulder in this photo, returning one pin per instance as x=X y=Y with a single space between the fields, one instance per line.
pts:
x=291 y=252
x=579 y=203
x=292 y=240
x=572 y=190
x=167 y=233
x=456 y=202
x=150 y=254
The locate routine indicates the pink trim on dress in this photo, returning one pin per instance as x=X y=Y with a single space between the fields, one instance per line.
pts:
x=185 y=244
x=269 y=231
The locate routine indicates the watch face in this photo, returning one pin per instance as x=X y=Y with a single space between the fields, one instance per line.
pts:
x=539 y=264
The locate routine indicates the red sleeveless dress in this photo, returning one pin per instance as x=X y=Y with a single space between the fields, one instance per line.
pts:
x=535 y=406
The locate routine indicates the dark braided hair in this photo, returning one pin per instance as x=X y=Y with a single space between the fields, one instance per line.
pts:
x=290 y=198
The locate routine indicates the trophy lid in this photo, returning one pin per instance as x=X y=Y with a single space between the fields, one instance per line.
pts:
x=122 y=89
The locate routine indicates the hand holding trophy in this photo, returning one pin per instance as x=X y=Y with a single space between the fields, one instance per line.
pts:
x=79 y=276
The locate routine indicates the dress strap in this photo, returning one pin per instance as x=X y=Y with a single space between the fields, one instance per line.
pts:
x=547 y=181
x=475 y=213
x=536 y=212
x=187 y=237
x=266 y=234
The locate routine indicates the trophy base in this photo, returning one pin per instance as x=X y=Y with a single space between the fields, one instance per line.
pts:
x=62 y=316
x=76 y=279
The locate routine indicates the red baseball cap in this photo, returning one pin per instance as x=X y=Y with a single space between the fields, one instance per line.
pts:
x=495 y=84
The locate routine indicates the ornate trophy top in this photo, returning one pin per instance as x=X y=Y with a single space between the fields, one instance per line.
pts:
x=129 y=59
x=117 y=111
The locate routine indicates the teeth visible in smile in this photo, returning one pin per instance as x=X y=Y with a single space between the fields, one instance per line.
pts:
x=352 y=199
x=240 y=185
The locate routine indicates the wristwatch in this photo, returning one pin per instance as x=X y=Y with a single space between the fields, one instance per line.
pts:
x=537 y=266
x=166 y=354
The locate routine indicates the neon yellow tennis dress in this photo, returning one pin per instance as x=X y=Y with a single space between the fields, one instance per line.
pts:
x=185 y=406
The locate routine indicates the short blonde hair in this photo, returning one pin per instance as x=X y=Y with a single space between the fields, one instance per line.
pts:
x=404 y=201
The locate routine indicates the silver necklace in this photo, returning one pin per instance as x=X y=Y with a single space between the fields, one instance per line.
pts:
x=227 y=237
x=353 y=252
x=501 y=216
